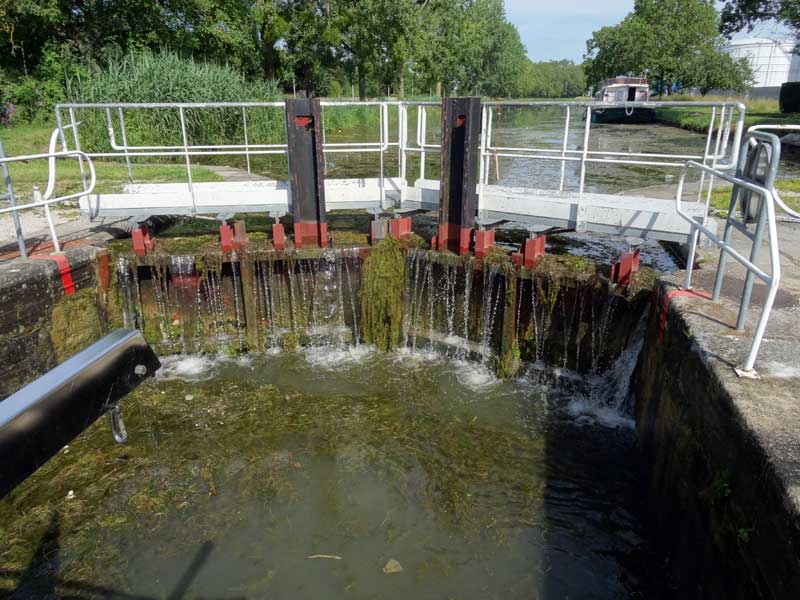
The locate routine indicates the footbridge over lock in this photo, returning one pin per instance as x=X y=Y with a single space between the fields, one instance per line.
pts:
x=469 y=194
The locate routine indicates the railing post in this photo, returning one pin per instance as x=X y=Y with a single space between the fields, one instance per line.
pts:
x=12 y=201
x=458 y=199
x=306 y=176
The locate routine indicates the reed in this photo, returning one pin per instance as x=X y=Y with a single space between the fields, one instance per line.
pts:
x=147 y=77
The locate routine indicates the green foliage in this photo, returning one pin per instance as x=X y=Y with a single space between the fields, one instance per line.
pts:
x=383 y=276
x=790 y=97
x=319 y=47
x=743 y=14
x=551 y=79
x=145 y=76
x=468 y=48
x=674 y=42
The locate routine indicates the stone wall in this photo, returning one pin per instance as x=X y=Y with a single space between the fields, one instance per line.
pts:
x=40 y=326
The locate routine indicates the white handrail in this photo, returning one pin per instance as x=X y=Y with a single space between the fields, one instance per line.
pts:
x=772 y=280
x=778 y=199
x=46 y=198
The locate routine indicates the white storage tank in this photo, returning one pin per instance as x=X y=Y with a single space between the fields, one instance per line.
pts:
x=773 y=61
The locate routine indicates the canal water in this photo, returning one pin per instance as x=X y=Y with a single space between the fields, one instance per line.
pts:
x=341 y=472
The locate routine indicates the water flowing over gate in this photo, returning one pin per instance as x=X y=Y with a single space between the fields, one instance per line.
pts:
x=539 y=202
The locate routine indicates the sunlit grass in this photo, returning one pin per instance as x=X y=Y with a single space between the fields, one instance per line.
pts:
x=111 y=176
x=789 y=190
x=758 y=111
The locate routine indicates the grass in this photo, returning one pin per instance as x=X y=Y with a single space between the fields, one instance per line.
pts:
x=111 y=176
x=789 y=190
x=758 y=111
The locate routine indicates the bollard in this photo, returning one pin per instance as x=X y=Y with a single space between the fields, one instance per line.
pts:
x=400 y=227
x=534 y=251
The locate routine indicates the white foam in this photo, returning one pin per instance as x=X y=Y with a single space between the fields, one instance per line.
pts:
x=192 y=367
x=332 y=357
x=410 y=357
x=474 y=376
x=590 y=412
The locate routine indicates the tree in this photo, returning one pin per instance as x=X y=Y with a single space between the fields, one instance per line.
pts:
x=373 y=37
x=311 y=37
x=713 y=69
x=744 y=14
x=672 y=41
x=552 y=79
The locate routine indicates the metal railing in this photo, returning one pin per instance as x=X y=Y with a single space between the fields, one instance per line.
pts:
x=44 y=200
x=726 y=122
x=114 y=114
x=723 y=138
x=745 y=180
x=778 y=200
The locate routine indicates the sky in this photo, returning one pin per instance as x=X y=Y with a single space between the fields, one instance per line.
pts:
x=556 y=29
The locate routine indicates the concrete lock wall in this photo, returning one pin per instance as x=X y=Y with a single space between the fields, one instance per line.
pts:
x=716 y=505
x=40 y=324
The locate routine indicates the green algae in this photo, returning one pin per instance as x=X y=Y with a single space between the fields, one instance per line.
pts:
x=200 y=454
x=75 y=323
x=382 y=279
x=289 y=342
x=509 y=362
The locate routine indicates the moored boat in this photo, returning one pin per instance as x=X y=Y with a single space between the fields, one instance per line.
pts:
x=626 y=90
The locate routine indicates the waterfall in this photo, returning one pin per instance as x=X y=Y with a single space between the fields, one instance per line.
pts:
x=262 y=302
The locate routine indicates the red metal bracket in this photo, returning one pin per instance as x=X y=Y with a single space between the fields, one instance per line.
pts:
x=516 y=259
x=226 y=238
x=626 y=267
x=310 y=234
x=142 y=242
x=484 y=240
x=65 y=270
x=278 y=237
x=400 y=227
x=533 y=251
x=454 y=238
x=465 y=240
x=665 y=302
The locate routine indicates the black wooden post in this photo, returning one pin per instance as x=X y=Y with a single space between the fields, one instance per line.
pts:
x=306 y=171
x=458 y=199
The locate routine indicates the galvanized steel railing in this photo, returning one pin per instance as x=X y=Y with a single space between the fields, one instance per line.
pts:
x=44 y=200
x=746 y=178
x=720 y=152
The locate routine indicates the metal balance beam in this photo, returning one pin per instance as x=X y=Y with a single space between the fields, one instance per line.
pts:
x=42 y=417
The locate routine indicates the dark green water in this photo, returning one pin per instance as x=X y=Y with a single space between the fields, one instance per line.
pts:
x=302 y=475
